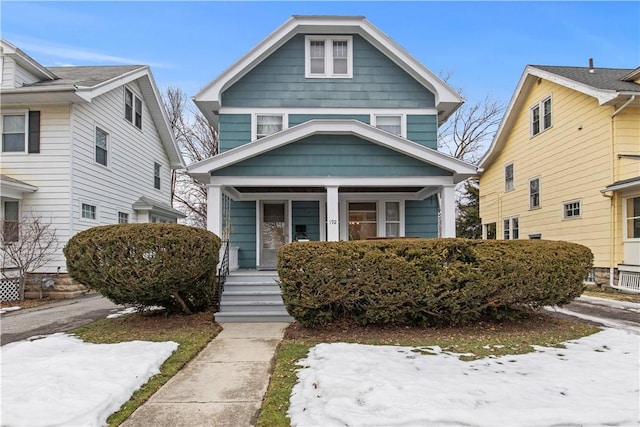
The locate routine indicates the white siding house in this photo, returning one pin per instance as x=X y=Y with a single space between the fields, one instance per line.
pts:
x=83 y=146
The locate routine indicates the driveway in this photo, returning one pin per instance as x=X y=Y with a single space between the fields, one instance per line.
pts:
x=55 y=317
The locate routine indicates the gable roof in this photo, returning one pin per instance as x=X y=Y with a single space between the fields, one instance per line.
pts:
x=83 y=84
x=460 y=169
x=610 y=86
x=208 y=99
x=26 y=61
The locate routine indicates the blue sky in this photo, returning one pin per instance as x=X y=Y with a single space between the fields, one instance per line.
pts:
x=483 y=45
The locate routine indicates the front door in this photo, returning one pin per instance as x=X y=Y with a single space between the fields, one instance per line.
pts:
x=274 y=228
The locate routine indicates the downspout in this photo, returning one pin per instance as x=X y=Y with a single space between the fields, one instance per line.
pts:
x=614 y=202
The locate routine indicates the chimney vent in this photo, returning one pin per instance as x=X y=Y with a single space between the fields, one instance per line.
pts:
x=591 y=70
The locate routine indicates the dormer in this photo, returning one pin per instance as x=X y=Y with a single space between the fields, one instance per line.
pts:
x=19 y=69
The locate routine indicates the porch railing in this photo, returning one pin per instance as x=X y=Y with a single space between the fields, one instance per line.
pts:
x=223 y=272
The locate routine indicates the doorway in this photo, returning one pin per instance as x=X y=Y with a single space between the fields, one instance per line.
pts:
x=274 y=232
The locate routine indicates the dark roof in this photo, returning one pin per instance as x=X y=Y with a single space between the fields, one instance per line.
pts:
x=86 y=76
x=601 y=78
x=624 y=182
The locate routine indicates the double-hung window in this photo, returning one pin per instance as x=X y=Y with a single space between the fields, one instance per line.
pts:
x=132 y=108
x=389 y=123
x=392 y=219
x=509 y=182
x=11 y=223
x=541 y=116
x=267 y=124
x=328 y=56
x=102 y=141
x=633 y=218
x=534 y=193
x=14 y=130
x=156 y=175
x=511 y=228
x=572 y=209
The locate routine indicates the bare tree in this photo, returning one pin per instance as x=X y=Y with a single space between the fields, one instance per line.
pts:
x=27 y=245
x=468 y=133
x=197 y=140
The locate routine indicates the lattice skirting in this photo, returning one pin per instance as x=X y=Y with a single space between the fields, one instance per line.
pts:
x=9 y=289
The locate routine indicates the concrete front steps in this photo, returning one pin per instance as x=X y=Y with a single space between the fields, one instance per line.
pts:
x=252 y=296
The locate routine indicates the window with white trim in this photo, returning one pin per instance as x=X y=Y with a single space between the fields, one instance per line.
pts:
x=511 y=228
x=363 y=220
x=534 y=193
x=389 y=123
x=632 y=219
x=572 y=209
x=102 y=141
x=156 y=175
x=267 y=124
x=132 y=108
x=123 y=218
x=329 y=56
x=88 y=211
x=392 y=219
x=509 y=182
x=11 y=223
x=14 y=131
x=541 y=116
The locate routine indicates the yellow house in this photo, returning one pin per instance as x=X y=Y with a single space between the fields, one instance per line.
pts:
x=565 y=165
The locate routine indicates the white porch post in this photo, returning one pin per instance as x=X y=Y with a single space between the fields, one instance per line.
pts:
x=448 y=210
x=333 y=222
x=214 y=209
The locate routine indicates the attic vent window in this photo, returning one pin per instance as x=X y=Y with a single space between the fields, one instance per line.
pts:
x=328 y=57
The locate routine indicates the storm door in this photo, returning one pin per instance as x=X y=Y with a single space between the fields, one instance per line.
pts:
x=273 y=232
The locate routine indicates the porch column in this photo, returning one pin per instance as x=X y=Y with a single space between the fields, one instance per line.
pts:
x=333 y=221
x=214 y=209
x=448 y=210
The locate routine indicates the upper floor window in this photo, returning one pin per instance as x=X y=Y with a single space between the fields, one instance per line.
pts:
x=508 y=178
x=132 y=108
x=541 y=116
x=534 y=193
x=21 y=132
x=267 y=124
x=329 y=56
x=391 y=124
x=101 y=146
x=14 y=130
x=572 y=209
x=156 y=175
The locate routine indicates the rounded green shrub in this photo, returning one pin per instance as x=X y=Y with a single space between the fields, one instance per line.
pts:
x=427 y=281
x=167 y=265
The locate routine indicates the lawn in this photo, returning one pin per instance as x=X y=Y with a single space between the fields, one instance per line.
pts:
x=475 y=341
x=192 y=333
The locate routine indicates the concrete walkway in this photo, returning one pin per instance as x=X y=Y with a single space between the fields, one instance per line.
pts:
x=223 y=386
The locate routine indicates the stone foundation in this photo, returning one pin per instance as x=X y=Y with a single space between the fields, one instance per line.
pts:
x=54 y=286
x=602 y=276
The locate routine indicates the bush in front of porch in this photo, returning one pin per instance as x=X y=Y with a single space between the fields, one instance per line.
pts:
x=167 y=265
x=427 y=281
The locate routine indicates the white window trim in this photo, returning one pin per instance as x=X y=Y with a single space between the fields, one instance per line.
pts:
x=531 y=207
x=510 y=219
x=565 y=203
x=625 y=220
x=133 y=107
x=403 y=121
x=4 y=215
x=95 y=146
x=328 y=57
x=159 y=187
x=513 y=177
x=26 y=130
x=89 y=220
x=121 y=211
x=382 y=214
x=254 y=121
x=540 y=105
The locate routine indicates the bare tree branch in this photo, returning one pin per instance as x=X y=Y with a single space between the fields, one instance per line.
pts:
x=198 y=140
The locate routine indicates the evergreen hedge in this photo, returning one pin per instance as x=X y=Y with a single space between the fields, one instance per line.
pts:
x=427 y=281
x=167 y=265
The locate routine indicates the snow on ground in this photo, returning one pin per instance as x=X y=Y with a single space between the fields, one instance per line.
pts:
x=59 y=380
x=593 y=381
x=8 y=309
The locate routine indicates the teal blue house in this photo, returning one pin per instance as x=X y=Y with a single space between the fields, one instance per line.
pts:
x=328 y=131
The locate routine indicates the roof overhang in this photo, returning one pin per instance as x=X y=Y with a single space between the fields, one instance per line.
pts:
x=461 y=170
x=150 y=205
x=627 y=184
x=208 y=99
x=25 y=61
x=13 y=188
x=529 y=77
